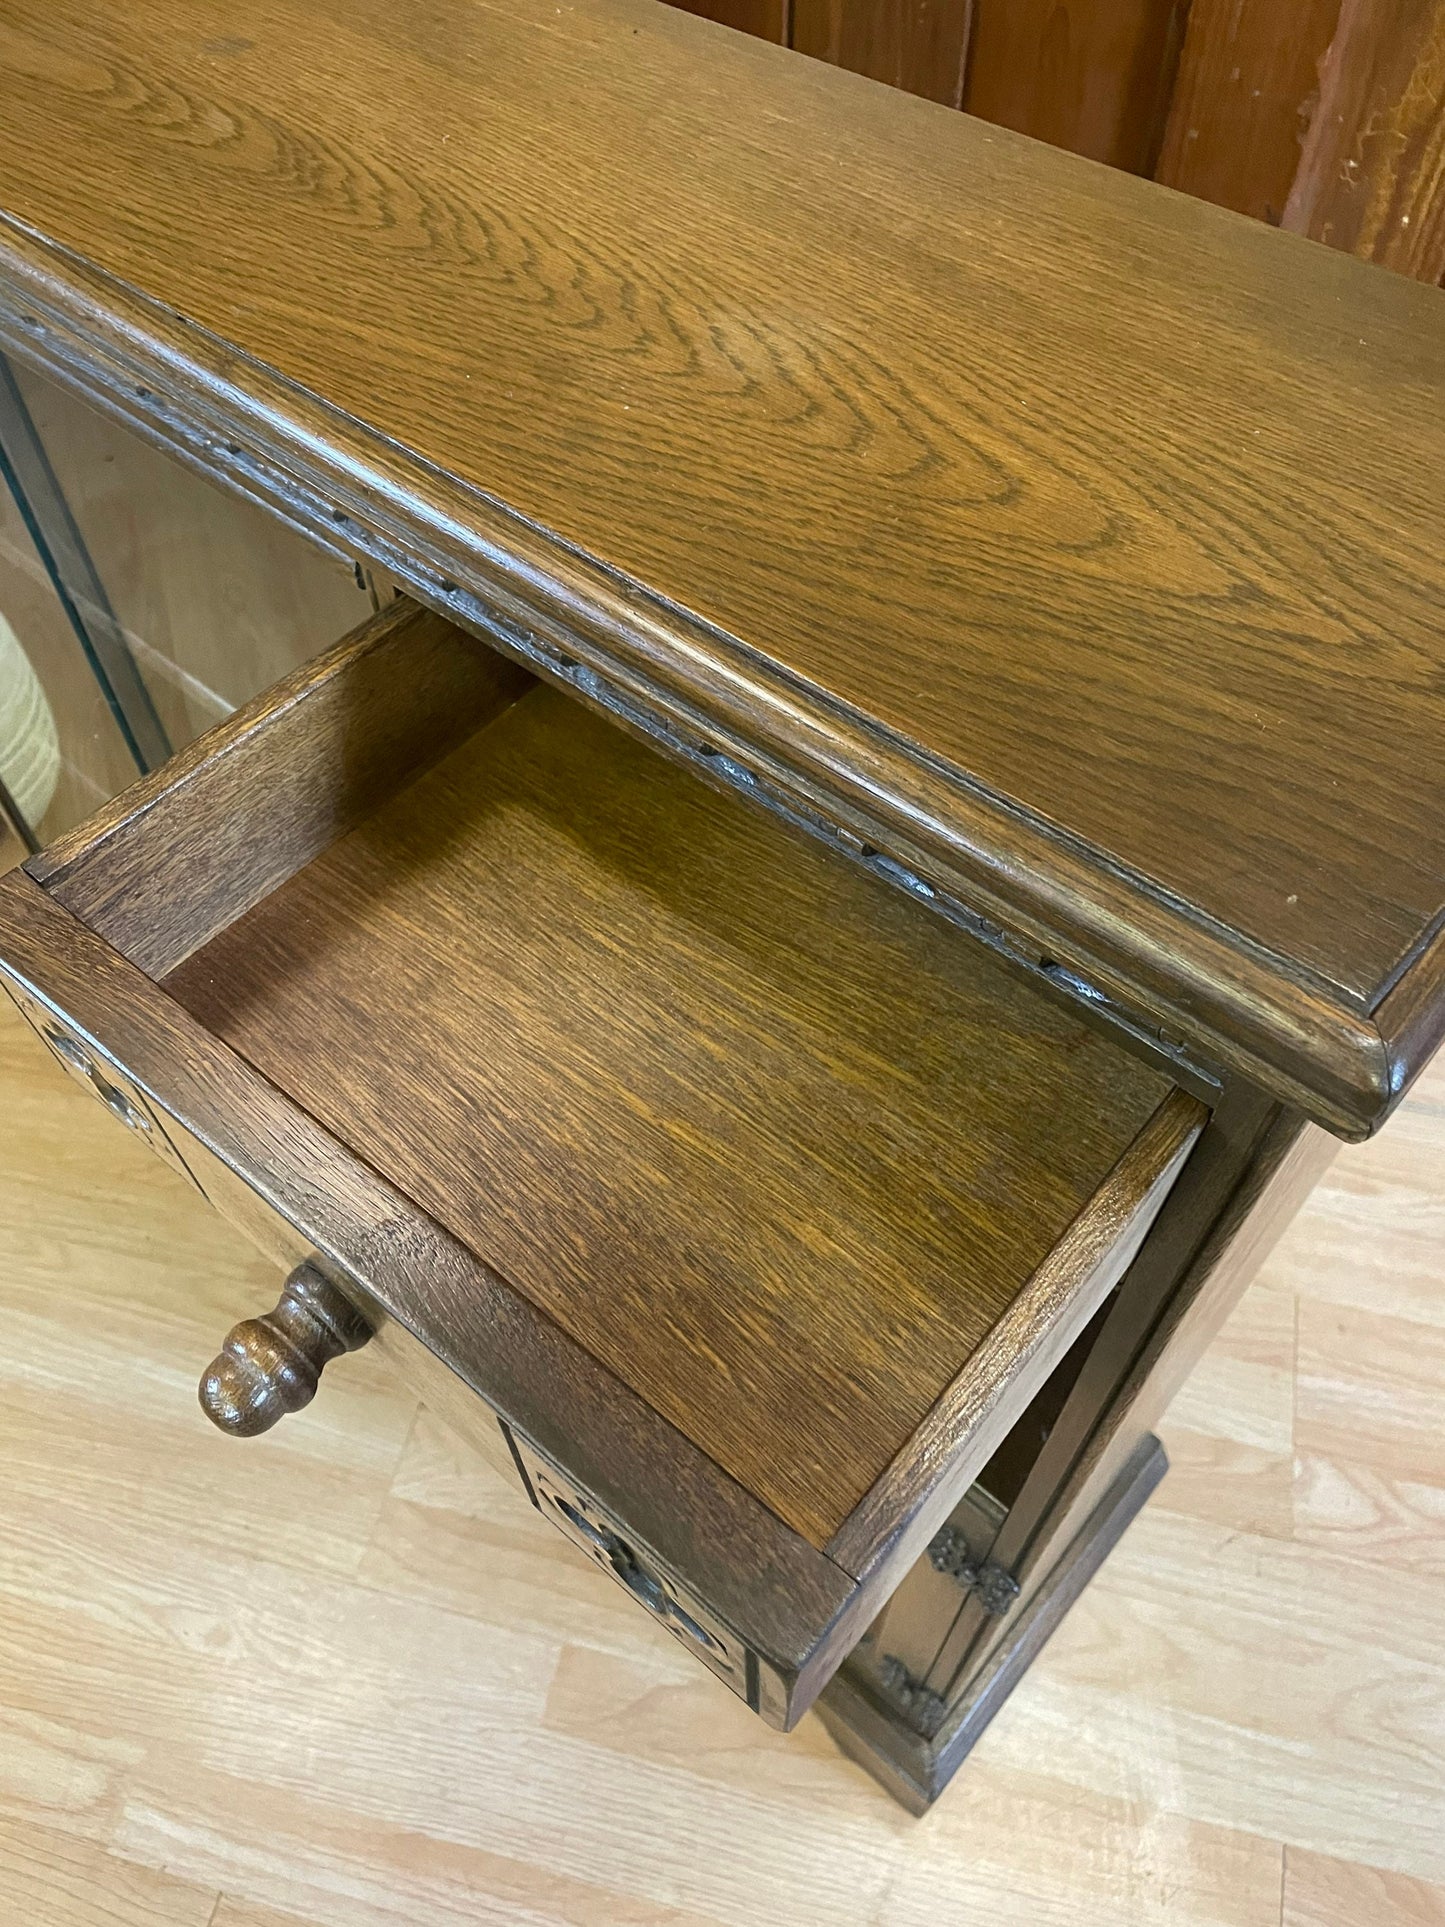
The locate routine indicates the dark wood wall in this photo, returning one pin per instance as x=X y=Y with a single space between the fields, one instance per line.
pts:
x=921 y=45
x=1091 y=75
x=1327 y=116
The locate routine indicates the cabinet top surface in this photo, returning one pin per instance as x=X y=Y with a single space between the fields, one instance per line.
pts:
x=1089 y=534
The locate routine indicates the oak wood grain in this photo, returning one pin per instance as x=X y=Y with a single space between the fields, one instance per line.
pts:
x=916 y=1765
x=917 y=1492
x=159 y=868
x=1109 y=609
x=775 y=1145
x=1159 y=1284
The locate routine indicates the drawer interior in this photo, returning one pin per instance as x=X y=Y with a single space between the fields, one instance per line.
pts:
x=777 y=1145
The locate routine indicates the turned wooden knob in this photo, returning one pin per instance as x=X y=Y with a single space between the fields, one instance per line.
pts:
x=270 y=1366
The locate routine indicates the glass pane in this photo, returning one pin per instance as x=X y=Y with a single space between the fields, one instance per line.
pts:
x=139 y=604
x=62 y=752
x=215 y=598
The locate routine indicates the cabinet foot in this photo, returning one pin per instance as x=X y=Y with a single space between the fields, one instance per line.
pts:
x=916 y=1770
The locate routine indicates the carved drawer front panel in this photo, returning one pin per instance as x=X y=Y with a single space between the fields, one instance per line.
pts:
x=103 y=1079
x=587 y=1525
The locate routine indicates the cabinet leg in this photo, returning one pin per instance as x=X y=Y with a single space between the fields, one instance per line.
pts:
x=914 y=1769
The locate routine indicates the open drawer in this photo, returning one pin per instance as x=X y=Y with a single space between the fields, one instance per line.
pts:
x=752 y=1198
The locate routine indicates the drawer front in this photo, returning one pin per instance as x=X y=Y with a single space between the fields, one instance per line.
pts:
x=663 y=1595
x=276 y=1238
x=555 y=1494
x=249 y=1213
x=102 y=1080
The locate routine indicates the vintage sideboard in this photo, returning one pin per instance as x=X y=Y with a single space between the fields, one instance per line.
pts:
x=790 y=976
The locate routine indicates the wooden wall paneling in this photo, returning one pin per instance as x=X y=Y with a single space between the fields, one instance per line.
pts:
x=918 y=45
x=1247 y=87
x=1094 y=76
x=766 y=19
x=1371 y=179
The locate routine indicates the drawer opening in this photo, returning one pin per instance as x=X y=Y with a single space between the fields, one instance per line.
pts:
x=1004 y=1476
x=786 y=1153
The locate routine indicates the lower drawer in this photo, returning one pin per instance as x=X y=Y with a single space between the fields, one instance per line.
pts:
x=752 y=1199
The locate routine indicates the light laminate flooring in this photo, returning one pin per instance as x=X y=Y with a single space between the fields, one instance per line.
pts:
x=343 y=1676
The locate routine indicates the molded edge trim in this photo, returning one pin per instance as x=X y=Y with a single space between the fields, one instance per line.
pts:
x=1411 y=1016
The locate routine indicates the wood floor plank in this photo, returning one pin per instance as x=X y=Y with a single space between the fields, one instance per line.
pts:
x=515 y=1569
x=118 y=1276
x=240 y=1913
x=1014 y=1848
x=1321 y=1892
x=341 y=1869
x=1233 y=1483
x=1370 y=1435
x=52 y=1879
x=58 y=1772
x=1254 y=1684
x=1230 y=1432
x=1375 y=1229
x=455 y=1531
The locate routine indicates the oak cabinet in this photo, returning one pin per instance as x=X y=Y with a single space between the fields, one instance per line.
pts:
x=788 y=981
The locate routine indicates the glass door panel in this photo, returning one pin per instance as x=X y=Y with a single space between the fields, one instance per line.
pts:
x=139 y=604
x=62 y=749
